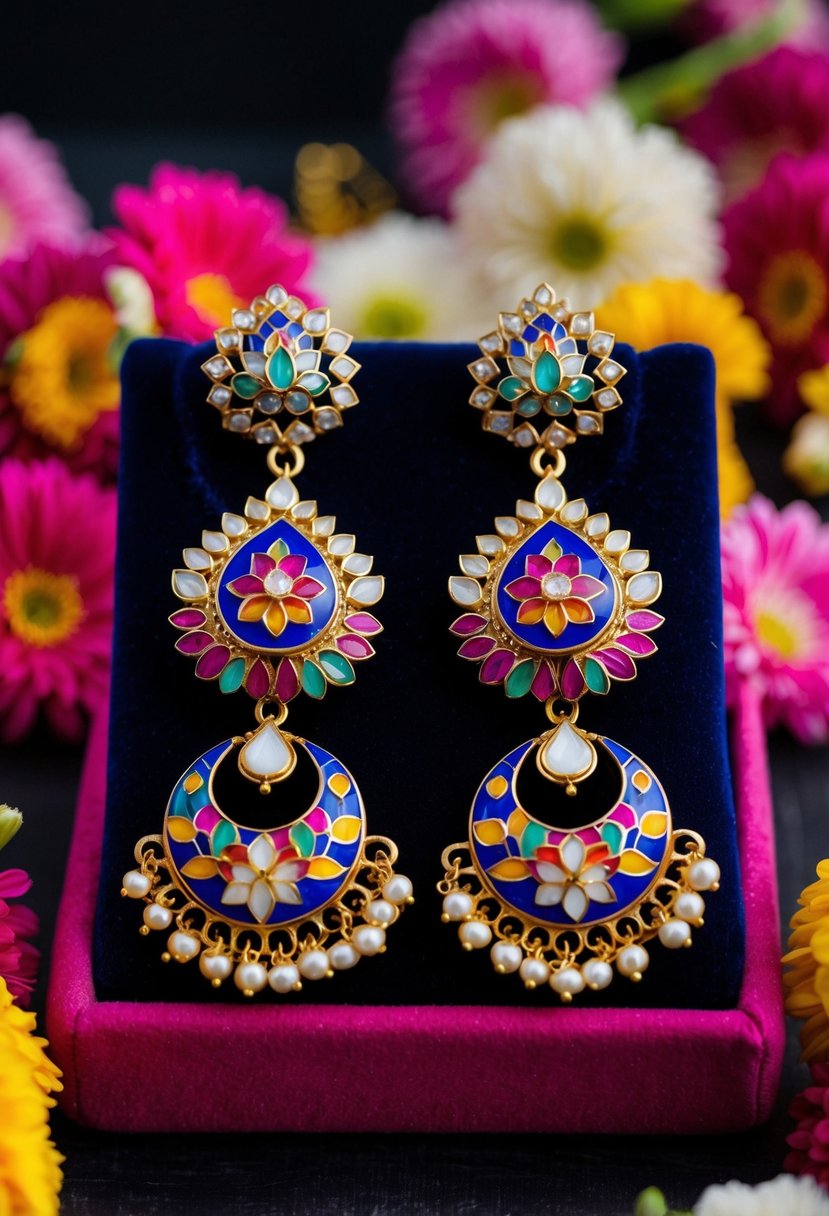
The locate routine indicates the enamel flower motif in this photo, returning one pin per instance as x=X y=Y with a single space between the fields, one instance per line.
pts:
x=262 y=877
x=276 y=590
x=572 y=874
x=554 y=590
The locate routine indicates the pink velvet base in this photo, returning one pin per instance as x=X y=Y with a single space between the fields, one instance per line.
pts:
x=163 y=1067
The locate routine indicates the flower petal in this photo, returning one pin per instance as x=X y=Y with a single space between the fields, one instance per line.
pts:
x=253 y=608
x=287 y=893
x=593 y=874
x=567 y=564
x=261 y=852
x=236 y=893
x=573 y=853
x=243 y=873
x=574 y=902
x=261 y=900
x=547 y=872
x=549 y=894
x=554 y=619
x=586 y=587
x=290 y=871
x=293 y=564
x=600 y=892
x=578 y=611
x=538 y=565
x=275 y=618
x=524 y=588
x=531 y=611
x=261 y=564
x=308 y=588
x=246 y=584
x=297 y=610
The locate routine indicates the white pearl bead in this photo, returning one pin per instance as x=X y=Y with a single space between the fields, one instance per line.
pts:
x=689 y=906
x=398 y=889
x=597 y=974
x=313 y=964
x=567 y=982
x=704 y=874
x=156 y=917
x=215 y=966
x=506 y=957
x=342 y=956
x=632 y=961
x=250 y=977
x=136 y=884
x=369 y=939
x=534 y=972
x=283 y=978
x=381 y=911
x=474 y=934
x=674 y=933
x=457 y=905
x=183 y=946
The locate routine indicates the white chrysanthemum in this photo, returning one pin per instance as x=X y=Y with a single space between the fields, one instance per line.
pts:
x=585 y=200
x=400 y=277
x=782 y=1196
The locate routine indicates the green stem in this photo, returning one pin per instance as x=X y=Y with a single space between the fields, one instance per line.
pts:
x=679 y=85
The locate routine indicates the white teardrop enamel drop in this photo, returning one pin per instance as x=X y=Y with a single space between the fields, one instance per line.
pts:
x=366 y=591
x=644 y=588
x=549 y=493
x=188 y=585
x=464 y=591
x=567 y=753
x=282 y=494
x=267 y=755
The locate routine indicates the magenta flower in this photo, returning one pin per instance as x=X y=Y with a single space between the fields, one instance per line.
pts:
x=555 y=592
x=277 y=590
x=779 y=103
x=809 y=1143
x=710 y=18
x=59 y=392
x=18 y=957
x=205 y=246
x=57 y=541
x=37 y=203
x=777 y=241
x=776 y=612
x=472 y=63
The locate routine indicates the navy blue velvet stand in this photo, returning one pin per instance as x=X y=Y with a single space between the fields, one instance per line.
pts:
x=414 y=476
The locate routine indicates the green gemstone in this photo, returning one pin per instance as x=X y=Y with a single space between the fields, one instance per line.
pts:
x=517 y=683
x=546 y=372
x=529 y=407
x=314 y=382
x=281 y=370
x=232 y=676
x=595 y=677
x=302 y=838
x=611 y=834
x=222 y=835
x=313 y=681
x=533 y=836
x=245 y=386
x=511 y=388
x=558 y=404
x=580 y=387
x=337 y=667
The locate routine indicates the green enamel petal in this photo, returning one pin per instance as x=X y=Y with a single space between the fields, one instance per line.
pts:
x=181 y=803
x=595 y=676
x=336 y=667
x=302 y=838
x=232 y=676
x=559 y=404
x=313 y=681
x=580 y=388
x=546 y=372
x=552 y=550
x=612 y=835
x=245 y=386
x=278 y=550
x=517 y=683
x=314 y=382
x=533 y=836
x=281 y=369
x=529 y=407
x=511 y=388
x=222 y=835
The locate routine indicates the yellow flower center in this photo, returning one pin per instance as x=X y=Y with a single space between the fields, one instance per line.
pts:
x=579 y=243
x=777 y=634
x=792 y=297
x=43 y=609
x=502 y=97
x=392 y=316
x=61 y=373
x=212 y=298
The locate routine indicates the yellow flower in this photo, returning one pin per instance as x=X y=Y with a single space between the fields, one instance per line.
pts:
x=814 y=389
x=807 y=979
x=30 y=1174
x=679 y=310
x=806 y=459
x=11 y=822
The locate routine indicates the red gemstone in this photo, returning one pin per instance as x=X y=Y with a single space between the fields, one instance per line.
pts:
x=544 y=682
x=572 y=681
x=497 y=667
x=258 y=680
x=194 y=643
x=617 y=663
x=636 y=643
x=470 y=622
x=355 y=647
x=212 y=663
x=287 y=681
x=363 y=622
x=187 y=618
x=476 y=648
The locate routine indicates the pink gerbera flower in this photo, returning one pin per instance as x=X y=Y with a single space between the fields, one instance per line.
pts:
x=777 y=241
x=776 y=612
x=471 y=64
x=205 y=246
x=59 y=390
x=778 y=103
x=37 y=203
x=57 y=540
x=809 y=1143
x=18 y=957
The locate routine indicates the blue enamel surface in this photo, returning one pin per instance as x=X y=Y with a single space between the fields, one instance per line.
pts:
x=628 y=888
x=538 y=636
x=315 y=892
x=256 y=633
x=516 y=347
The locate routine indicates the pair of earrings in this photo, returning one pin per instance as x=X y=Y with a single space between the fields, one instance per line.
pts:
x=554 y=604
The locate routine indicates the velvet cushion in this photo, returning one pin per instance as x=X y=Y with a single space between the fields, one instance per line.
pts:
x=414 y=476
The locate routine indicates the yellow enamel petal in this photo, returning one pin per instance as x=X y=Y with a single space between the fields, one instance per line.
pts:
x=510 y=868
x=324 y=867
x=633 y=862
x=497 y=787
x=194 y=782
x=490 y=831
x=339 y=784
x=641 y=781
x=181 y=829
x=517 y=821
x=346 y=828
x=199 y=867
x=654 y=824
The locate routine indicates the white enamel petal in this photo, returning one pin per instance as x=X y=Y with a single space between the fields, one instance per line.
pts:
x=214 y=542
x=243 y=874
x=549 y=872
x=324 y=525
x=267 y=753
x=572 y=853
x=600 y=892
x=475 y=565
x=644 y=588
x=306 y=509
x=596 y=873
x=464 y=591
x=548 y=895
x=574 y=511
x=489 y=545
x=366 y=591
x=289 y=871
x=549 y=493
x=233 y=525
x=236 y=893
x=617 y=541
x=358 y=563
x=286 y=893
x=282 y=494
x=261 y=900
x=574 y=903
x=567 y=753
x=256 y=509
x=188 y=585
x=341 y=544
x=197 y=559
x=635 y=560
x=262 y=853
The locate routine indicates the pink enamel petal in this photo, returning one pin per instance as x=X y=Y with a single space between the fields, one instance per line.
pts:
x=587 y=587
x=497 y=667
x=188 y=618
x=476 y=648
x=567 y=564
x=317 y=820
x=470 y=622
x=246 y=584
x=307 y=588
x=293 y=565
x=644 y=620
x=616 y=663
x=572 y=681
x=194 y=643
x=544 y=684
x=261 y=564
x=206 y=819
x=524 y=588
x=538 y=565
x=636 y=643
x=364 y=622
